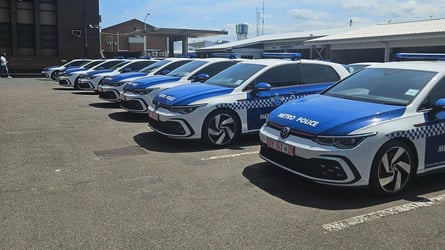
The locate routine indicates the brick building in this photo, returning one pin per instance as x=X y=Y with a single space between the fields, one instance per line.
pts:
x=38 y=33
x=136 y=38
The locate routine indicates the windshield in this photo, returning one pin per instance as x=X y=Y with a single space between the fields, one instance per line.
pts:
x=119 y=65
x=154 y=66
x=186 y=69
x=235 y=75
x=388 y=86
x=92 y=64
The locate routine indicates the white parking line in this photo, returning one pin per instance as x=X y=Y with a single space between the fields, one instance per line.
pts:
x=229 y=156
x=340 y=225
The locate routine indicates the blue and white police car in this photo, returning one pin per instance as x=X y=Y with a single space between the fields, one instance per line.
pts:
x=238 y=100
x=379 y=128
x=91 y=80
x=53 y=71
x=110 y=88
x=70 y=77
x=138 y=94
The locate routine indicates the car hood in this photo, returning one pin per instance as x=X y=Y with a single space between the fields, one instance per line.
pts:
x=99 y=71
x=72 y=70
x=189 y=93
x=148 y=81
x=325 y=115
x=122 y=76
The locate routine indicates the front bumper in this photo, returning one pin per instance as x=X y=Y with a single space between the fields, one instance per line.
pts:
x=133 y=103
x=65 y=81
x=85 y=84
x=319 y=163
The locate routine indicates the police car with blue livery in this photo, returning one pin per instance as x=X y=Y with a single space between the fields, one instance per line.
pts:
x=238 y=100
x=53 y=71
x=138 y=94
x=91 y=80
x=70 y=77
x=378 y=128
x=110 y=88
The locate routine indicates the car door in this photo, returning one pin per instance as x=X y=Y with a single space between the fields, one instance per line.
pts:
x=284 y=80
x=435 y=128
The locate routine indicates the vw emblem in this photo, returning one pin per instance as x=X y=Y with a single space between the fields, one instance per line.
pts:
x=284 y=132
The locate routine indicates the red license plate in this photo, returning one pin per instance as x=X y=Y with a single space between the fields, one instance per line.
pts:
x=281 y=147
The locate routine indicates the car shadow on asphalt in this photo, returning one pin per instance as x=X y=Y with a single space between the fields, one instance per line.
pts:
x=105 y=105
x=63 y=88
x=125 y=116
x=299 y=191
x=84 y=92
x=154 y=141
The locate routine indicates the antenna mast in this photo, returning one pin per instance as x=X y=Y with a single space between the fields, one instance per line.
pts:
x=260 y=21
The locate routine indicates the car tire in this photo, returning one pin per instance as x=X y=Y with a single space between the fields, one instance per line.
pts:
x=393 y=168
x=221 y=128
x=54 y=75
x=76 y=83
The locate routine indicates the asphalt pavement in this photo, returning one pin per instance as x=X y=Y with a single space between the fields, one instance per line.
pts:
x=77 y=172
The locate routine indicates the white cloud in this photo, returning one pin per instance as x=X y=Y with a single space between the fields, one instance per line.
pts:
x=306 y=14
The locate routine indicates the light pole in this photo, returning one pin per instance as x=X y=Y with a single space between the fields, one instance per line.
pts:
x=145 y=34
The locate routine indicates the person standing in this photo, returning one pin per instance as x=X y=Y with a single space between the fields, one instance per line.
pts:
x=4 y=64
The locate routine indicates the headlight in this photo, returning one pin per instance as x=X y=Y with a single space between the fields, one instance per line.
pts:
x=146 y=91
x=343 y=142
x=185 y=109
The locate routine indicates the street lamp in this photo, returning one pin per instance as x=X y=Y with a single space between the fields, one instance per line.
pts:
x=145 y=34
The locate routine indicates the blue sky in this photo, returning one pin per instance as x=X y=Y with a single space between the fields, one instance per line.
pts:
x=279 y=15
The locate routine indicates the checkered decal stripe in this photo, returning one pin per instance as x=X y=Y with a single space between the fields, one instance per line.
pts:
x=261 y=103
x=421 y=132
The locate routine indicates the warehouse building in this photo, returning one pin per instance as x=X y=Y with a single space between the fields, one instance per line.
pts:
x=376 y=43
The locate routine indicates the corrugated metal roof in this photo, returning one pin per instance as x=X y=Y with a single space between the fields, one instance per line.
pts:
x=303 y=35
x=433 y=26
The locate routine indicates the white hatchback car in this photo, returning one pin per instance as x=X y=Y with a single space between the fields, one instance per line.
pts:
x=379 y=128
x=237 y=100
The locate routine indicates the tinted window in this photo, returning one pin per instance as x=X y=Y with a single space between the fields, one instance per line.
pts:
x=281 y=75
x=174 y=65
x=437 y=92
x=332 y=74
x=135 y=66
x=215 y=68
x=313 y=73
x=234 y=76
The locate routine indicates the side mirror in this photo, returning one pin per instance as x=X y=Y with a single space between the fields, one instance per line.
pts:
x=262 y=86
x=165 y=72
x=201 y=77
x=127 y=70
x=439 y=104
x=101 y=68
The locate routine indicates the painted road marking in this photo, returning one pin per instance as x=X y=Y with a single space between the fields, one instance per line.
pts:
x=343 y=224
x=228 y=156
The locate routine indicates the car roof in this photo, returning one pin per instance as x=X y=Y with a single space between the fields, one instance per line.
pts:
x=437 y=66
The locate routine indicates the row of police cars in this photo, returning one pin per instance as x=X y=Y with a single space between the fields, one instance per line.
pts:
x=377 y=127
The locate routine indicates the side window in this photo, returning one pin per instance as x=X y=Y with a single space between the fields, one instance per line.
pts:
x=332 y=74
x=215 y=68
x=175 y=65
x=281 y=75
x=436 y=92
x=313 y=73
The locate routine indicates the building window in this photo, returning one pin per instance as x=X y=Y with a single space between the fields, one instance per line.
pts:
x=5 y=25
x=48 y=28
x=25 y=28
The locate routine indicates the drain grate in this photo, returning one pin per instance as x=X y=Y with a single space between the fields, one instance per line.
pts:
x=119 y=152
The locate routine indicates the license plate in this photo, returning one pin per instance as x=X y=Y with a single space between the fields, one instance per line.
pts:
x=122 y=97
x=99 y=89
x=153 y=115
x=281 y=147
